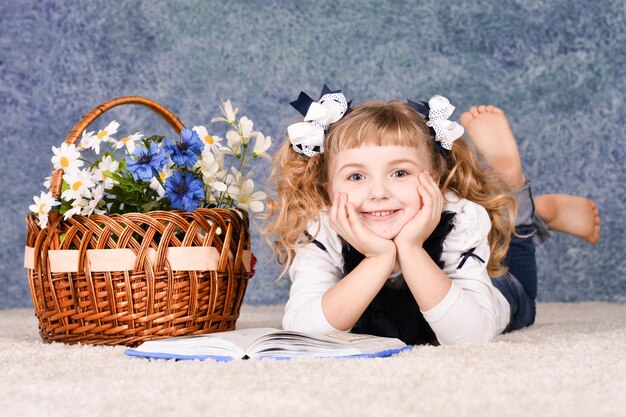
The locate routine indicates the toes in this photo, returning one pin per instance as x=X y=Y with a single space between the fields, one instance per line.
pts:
x=596 y=234
x=485 y=108
x=465 y=118
x=596 y=212
x=494 y=109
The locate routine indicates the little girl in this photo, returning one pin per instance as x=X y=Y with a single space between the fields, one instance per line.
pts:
x=389 y=225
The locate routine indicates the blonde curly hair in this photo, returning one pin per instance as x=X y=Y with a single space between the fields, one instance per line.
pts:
x=302 y=183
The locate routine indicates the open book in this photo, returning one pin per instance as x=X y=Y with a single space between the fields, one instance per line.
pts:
x=268 y=343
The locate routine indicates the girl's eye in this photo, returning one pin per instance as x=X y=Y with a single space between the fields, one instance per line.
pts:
x=355 y=177
x=400 y=173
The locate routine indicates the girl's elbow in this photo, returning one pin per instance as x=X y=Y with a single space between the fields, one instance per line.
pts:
x=471 y=335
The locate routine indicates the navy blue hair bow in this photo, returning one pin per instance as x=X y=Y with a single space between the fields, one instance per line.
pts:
x=303 y=102
x=420 y=106
x=307 y=137
x=436 y=112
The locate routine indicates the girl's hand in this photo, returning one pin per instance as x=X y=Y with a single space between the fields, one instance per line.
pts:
x=345 y=220
x=417 y=230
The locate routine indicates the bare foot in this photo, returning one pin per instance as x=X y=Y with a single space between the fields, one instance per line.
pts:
x=489 y=130
x=570 y=214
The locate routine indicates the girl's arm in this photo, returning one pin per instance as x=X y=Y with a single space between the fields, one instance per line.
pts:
x=315 y=272
x=427 y=282
x=345 y=302
x=460 y=304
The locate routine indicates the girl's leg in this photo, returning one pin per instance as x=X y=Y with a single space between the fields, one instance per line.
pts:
x=490 y=132
x=531 y=232
x=570 y=214
x=519 y=285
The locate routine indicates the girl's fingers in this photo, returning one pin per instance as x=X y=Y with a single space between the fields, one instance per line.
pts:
x=350 y=225
x=343 y=211
x=338 y=214
x=429 y=183
x=333 y=208
x=342 y=217
x=353 y=218
x=334 y=212
x=434 y=193
x=426 y=197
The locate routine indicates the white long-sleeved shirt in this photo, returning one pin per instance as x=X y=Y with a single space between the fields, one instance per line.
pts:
x=472 y=312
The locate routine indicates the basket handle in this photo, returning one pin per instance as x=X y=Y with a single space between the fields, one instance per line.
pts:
x=56 y=182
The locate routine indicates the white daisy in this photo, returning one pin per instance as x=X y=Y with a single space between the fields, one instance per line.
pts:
x=43 y=205
x=80 y=183
x=77 y=206
x=128 y=142
x=94 y=204
x=104 y=135
x=66 y=157
x=86 y=139
x=213 y=143
x=106 y=165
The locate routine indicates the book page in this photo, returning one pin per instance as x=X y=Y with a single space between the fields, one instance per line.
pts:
x=290 y=344
x=223 y=344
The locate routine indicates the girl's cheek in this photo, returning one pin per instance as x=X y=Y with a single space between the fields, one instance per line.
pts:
x=335 y=188
x=354 y=200
x=413 y=210
x=414 y=206
x=351 y=193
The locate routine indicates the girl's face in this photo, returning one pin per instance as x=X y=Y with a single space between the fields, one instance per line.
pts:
x=381 y=183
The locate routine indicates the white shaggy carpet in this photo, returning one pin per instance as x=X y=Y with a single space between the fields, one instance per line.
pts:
x=572 y=362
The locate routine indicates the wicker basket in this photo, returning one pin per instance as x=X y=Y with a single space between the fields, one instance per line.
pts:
x=123 y=279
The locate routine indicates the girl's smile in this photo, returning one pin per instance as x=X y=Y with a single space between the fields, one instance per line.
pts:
x=381 y=184
x=382 y=215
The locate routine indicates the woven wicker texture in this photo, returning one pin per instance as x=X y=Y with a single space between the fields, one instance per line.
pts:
x=151 y=300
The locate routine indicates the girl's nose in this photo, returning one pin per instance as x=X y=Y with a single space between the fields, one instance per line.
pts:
x=378 y=190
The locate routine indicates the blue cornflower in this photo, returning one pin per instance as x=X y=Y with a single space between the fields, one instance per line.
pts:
x=184 y=190
x=185 y=152
x=147 y=162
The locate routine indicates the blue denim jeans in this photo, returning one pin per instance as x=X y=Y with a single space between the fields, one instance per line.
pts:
x=519 y=285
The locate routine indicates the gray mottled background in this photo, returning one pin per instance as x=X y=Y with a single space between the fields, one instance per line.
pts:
x=556 y=67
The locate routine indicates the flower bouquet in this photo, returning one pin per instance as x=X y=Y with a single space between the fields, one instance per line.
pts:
x=144 y=237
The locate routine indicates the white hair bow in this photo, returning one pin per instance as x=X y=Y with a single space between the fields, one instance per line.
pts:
x=446 y=131
x=307 y=137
